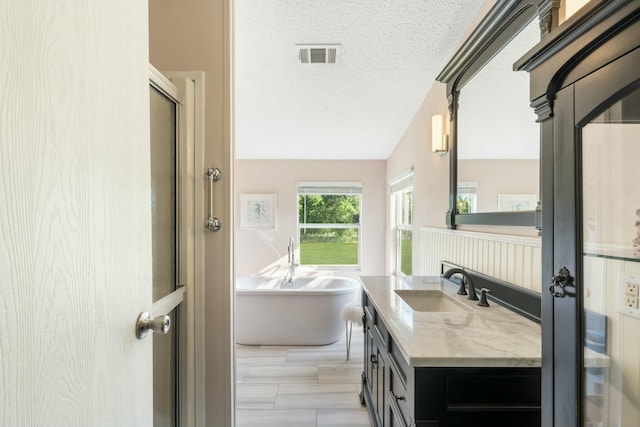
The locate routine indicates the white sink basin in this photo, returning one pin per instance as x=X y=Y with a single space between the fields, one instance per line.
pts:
x=431 y=301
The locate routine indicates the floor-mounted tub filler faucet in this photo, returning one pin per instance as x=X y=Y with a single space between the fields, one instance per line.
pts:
x=291 y=260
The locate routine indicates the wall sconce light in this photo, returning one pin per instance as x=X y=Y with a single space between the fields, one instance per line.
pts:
x=439 y=139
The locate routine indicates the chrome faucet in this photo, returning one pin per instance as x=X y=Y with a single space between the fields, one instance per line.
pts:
x=466 y=279
x=292 y=257
x=291 y=260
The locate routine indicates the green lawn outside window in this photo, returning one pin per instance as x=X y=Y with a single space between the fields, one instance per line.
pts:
x=334 y=253
x=329 y=229
x=406 y=254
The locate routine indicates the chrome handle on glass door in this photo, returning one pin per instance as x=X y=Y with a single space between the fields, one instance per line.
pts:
x=213 y=223
x=560 y=281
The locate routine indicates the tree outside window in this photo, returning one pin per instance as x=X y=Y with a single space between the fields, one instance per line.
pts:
x=403 y=200
x=466 y=200
x=329 y=225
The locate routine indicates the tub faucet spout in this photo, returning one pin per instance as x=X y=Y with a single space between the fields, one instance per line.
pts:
x=288 y=278
x=287 y=281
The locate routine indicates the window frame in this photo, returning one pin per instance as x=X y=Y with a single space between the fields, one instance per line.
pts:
x=341 y=188
x=470 y=191
x=399 y=186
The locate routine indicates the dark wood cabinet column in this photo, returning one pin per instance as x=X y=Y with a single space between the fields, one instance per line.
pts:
x=583 y=67
x=543 y=111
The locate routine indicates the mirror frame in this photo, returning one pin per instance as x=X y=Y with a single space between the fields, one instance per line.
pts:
x=499 y=26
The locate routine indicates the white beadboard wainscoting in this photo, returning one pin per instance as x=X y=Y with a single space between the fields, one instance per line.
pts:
x=514 y=259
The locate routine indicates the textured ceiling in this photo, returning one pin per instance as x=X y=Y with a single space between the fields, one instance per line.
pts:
x=356 y=109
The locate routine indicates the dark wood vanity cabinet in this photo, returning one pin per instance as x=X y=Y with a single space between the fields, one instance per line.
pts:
x=374 y=376
x=399 y=395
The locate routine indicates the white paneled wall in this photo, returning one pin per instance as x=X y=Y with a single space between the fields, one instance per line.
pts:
x=514 y=259
x=602 y=279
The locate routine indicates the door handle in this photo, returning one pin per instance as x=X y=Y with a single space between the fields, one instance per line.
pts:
x=213 y=175
x=560 y=281
x=159 y=325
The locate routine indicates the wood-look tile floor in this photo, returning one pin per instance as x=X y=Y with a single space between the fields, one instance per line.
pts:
x=305 y=386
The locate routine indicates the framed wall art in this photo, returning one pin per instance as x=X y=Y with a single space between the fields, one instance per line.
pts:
x=517 y=202
x=257 y=211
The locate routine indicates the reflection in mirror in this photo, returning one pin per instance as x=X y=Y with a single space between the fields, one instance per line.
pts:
x=611 y=244
x=497 y=135
x=611 y=194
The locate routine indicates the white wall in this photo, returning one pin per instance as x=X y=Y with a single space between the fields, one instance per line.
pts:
x=257 y=251
x=431 y=171
x=611 y=194
x=569 y=7
x=500 y=176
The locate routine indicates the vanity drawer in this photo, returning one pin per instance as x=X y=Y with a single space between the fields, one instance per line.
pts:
x=395 y=416
x=479 y=388
x=398 y=359
x=369 y=311
x=381 y=329
x=399 y=399
x=374 y=321
x=365 y=299
x=497 y=397
x=369 y=316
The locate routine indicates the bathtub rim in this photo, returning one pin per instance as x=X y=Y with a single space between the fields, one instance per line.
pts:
x=352 y=285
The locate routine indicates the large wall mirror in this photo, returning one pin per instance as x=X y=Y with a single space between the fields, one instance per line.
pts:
x=495 y=140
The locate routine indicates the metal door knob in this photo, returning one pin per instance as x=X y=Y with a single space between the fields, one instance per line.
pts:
x=159 y=325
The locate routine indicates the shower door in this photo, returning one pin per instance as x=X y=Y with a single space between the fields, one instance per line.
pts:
x=167 y=294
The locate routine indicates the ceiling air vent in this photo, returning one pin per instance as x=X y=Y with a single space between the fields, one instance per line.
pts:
x=318 y=53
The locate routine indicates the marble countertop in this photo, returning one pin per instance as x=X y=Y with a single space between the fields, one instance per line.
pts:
x=482 y=336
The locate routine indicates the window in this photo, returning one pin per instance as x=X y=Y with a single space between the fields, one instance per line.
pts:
x=466 y=201
x=402 y=222
x=329 y=223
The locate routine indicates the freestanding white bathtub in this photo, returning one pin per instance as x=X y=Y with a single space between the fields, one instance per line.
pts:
x=309 y=313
